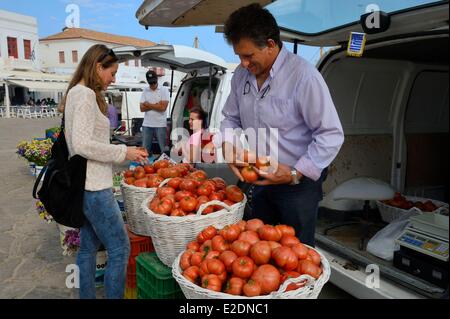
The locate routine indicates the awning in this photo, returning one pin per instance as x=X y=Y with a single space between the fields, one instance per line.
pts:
x=40 y=86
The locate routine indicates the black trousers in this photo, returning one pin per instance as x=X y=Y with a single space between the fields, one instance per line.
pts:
x=293 y=205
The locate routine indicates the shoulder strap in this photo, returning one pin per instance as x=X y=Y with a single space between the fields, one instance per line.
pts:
x=38 y=180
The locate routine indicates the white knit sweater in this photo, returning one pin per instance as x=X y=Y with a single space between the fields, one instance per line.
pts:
x=87 y=134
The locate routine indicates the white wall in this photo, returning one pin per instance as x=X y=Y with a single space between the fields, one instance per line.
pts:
x=23 y=28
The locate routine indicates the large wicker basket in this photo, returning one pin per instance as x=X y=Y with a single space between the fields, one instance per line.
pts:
x=170 y=235
x=311 y=290
x=132 y=199
x=390 y=213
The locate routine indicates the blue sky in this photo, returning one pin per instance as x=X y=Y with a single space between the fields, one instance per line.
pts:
x=118 y=17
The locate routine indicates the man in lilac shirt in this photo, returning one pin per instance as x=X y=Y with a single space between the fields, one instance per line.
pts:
x=275 y=89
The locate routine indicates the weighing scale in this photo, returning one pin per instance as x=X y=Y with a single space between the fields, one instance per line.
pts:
x=424 y=248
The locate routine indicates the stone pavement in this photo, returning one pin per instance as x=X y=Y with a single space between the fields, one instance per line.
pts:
x=31 y=260
x=32 y=265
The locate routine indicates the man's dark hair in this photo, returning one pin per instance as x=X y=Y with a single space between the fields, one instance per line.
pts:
x=252 y=22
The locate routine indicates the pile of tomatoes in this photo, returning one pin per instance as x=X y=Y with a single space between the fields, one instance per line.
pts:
x=248 y=259
x=186 y=190
x=151 y=176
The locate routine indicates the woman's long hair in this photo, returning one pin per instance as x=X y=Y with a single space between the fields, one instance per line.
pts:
x=87 y=71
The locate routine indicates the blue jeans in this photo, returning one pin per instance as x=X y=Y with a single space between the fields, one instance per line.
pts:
x=147 y=136
x=104 y=225
x=296 y=206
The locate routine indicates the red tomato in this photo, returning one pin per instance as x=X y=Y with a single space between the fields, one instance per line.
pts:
x=175 y=183
x=149 y=169
x=242 y=225
x=212 y=266
x=197 y=258
x=128 y=174
x=268 y=277
x=130 y=180
x=189 y=185
x=227 y=257
x=241 y=248
x=274 y=245
x=212 y=255
x=192 y=274
x=212 y=282
x=163 y=207
x=234 y=193
x=307 y=267
x=177 y=212
x=188 y=204
x=199 y=175
x=231 y=232
x=254 y=224
x=204 y=190
x=182 y=194
x=252 y=288
x=289 y=240
x=218 y=244
x=269 y=233
x=301 y=251
x=249 y=236
x=161 y=164
x=285 y=258
x=234 y=286
x=243 y=267
x=220 y=183
x=164 y=191
x=286 y=230
x=139 y=174
x=193 y=245
x=261 y=253
x=185 y=261
x=141 y=183
x=315 y=257
x=249 y=174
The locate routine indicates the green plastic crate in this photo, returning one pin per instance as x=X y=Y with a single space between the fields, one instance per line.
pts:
x=146 y=291
x=154 y=279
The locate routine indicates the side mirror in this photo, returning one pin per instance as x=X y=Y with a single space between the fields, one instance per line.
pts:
x=375 y=22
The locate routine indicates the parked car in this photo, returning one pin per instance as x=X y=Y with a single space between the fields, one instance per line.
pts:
x=393 y=103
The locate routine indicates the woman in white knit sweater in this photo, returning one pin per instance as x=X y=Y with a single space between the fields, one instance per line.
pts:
x=87 y=131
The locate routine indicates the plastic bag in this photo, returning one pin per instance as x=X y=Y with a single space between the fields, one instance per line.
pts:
x=383 y=244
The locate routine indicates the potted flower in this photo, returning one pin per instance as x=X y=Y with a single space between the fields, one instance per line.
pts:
x=43 y=214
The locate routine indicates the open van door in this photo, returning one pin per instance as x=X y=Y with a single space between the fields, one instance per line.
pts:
x=310 y=22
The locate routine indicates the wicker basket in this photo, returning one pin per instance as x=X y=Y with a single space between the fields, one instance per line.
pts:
x=391 y=213
x=311 y=290
x=170 y=235
x=132 y=198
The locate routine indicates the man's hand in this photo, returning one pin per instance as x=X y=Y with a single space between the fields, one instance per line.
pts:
x=281 y=176
x=235 y=159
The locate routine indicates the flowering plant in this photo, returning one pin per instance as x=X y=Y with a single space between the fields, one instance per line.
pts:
x=36 y=151
x=43 y=214
x=71 y=242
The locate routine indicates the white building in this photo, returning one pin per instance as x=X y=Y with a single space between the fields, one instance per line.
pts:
x=19 y=41
x=61 y=53
x=20 y=75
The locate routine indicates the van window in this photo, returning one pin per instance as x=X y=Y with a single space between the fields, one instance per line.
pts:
x=316 y=16
x=193 y=93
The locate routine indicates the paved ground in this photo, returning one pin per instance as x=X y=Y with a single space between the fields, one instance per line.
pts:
x=32 y=265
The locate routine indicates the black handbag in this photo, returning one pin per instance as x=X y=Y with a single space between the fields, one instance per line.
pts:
x=63 y=187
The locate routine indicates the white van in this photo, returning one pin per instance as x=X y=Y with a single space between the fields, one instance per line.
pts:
x=393 y=103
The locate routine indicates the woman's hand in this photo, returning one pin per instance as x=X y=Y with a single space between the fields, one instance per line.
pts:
x=136 y=154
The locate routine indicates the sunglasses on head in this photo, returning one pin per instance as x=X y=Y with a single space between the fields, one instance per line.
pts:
x=110 y=53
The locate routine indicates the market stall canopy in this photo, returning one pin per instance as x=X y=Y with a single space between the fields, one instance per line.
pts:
x=40 y=86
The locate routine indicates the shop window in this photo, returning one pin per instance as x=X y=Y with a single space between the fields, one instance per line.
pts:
x=12 y=48
x=27 y=49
